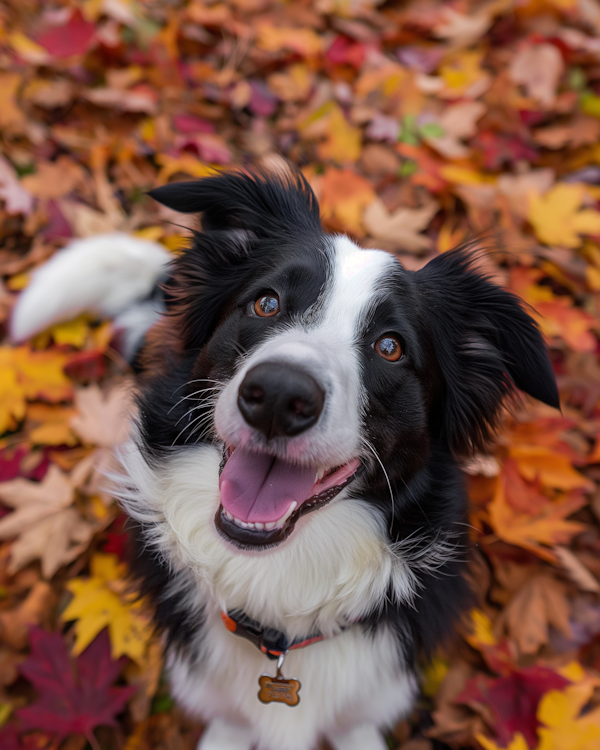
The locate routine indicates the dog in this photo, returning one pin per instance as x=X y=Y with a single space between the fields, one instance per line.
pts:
x=293 y=471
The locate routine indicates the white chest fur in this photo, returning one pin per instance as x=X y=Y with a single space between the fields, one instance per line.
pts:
x=348 y=680
x=335 y=568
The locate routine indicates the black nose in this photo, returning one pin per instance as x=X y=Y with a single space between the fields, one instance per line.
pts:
x=280 y=400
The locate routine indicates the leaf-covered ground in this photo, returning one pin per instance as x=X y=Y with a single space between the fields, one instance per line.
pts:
x=418 y=124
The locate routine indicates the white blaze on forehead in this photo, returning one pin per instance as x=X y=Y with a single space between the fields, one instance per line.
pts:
x=357 y=280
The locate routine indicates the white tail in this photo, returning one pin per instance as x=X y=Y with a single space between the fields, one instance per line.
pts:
x=110 y=275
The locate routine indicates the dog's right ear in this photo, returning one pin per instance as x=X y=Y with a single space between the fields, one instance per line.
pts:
x=487 y=346
x=263 y=204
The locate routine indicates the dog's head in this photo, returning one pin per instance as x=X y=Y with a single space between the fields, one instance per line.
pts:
x=320 y=365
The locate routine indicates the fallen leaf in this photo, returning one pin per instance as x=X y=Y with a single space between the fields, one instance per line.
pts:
x=516 y=743
x=16 y=198
x=558 y=219
x=511 y=700
x=344 y=196
x=580 y=132
x=73 y=697
x=536 y=607
x=535 y=533
x=567 y=726
x=103 y=420
x=70 y=38
x=102 y=601
x=403 y=227
x=304 y=42
x=54 y=179
x=538 y=68
x=15 y=624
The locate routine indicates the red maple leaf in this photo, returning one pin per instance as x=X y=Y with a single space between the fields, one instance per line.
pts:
x=512 y=700
x=74 y=697
x=72 y=38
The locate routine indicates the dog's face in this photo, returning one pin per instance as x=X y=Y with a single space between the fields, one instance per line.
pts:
x=322 y=367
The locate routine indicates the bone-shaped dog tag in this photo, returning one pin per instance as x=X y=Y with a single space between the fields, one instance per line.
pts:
x=277 y=689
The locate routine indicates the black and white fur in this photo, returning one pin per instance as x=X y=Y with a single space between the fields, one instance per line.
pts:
x=379 y=569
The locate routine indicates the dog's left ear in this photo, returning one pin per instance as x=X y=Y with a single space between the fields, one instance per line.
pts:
x=261 y=203
x=486 y=346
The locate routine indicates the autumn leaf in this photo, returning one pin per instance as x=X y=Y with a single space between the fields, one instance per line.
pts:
x=512 y=700
x=101 y=601
x=344 y=196
x=566 y=725
x=74 y=697
x=516 y=743
x=43 y=511
x=403 y=227
x=535 y=608
x=538 y=68
x=343 y=142
x=12 y=398
x=534 y=532
x=557 y=216
x=103 y=419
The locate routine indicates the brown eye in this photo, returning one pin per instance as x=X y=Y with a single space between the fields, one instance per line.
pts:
x=389 y=348
x=267 y=306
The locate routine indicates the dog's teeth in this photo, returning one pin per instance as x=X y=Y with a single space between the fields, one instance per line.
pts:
x=259 y=526
x=284 y=518
x=270 y=525
x=320 y=474
x=228 y=515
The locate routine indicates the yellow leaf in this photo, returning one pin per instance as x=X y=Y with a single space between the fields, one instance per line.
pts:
x=433 y=674
x=73 y=333
x=55 y=428
x=517 y=743
x=185 y=163
x=556 y=217
x=12 y=398
x=18 y=282
x=565 y=728
x=101 y=601
x=27 y=49
x=41 y=374
x=152 y=234
x=463 y=175
x=482 y=633
x=343 y=142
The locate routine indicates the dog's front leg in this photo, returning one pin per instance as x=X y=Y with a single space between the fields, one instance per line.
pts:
x=363 y=737
x=221 y=735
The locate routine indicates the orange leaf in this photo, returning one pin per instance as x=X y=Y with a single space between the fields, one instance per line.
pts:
x=344 y=196
x=548 y=527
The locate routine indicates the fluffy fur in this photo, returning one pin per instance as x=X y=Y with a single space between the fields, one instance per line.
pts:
x=378 y=569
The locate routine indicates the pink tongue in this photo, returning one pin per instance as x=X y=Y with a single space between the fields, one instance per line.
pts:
x=256 y=487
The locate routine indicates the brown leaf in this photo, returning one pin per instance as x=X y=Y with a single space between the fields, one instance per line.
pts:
x=403 y=227
x=15 y=624
x=103 y=419
x=526 y=619
x=54 y=179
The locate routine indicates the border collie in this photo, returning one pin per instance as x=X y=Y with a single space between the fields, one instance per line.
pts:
x=293 y=468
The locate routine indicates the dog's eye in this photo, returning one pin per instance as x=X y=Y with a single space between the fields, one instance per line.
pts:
x=267 y=306
x=389 y=348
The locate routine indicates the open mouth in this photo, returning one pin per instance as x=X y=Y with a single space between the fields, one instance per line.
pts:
x=262 y=496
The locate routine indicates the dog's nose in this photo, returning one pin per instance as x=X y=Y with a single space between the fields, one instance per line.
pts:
x=280 y=400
